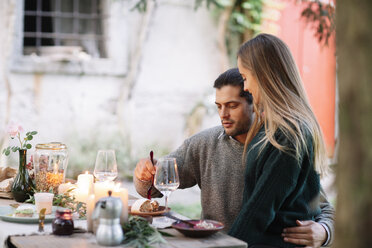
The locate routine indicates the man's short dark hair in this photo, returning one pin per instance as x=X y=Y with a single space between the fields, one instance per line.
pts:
x=232 y=77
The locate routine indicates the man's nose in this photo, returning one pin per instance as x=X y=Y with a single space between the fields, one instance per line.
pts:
x=224 y=113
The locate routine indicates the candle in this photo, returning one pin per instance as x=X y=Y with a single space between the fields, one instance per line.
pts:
x=101 y=189
x=122 y=193
x=84 y=187
x=90 y=209
x=64 y=187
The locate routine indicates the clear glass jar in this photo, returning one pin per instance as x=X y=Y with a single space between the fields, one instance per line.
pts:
x=50 y=162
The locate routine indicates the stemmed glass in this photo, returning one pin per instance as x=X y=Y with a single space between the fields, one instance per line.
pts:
x=106 y=168
x=166 y=177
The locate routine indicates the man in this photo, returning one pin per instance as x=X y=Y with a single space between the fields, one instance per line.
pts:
x=213 y=160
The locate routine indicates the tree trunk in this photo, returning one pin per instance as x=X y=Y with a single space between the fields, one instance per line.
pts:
x=354 y=171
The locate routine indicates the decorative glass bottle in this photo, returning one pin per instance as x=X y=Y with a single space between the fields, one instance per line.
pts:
x=22 y=186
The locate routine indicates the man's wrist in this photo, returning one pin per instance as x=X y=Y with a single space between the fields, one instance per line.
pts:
x=326 y=228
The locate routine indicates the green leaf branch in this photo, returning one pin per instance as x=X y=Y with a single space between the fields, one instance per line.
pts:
x=24 y=143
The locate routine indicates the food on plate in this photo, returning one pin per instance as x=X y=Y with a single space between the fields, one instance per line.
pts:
x=205 y=225
x=144 y=205
x=23 y=211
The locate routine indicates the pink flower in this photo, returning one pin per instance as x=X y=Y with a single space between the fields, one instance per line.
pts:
x=29 y=166
x=14 y=129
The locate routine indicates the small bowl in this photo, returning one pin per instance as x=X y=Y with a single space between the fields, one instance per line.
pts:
x=197 y=232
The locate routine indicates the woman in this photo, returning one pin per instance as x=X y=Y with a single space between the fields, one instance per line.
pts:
x=284 y=148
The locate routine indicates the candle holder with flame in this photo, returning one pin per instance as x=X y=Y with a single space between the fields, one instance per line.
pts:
x=63 y=223
x=50 y=162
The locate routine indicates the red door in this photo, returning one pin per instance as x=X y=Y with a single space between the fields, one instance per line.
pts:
x=316 y=62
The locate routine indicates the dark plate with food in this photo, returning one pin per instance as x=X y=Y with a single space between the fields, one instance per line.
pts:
x=198 y=228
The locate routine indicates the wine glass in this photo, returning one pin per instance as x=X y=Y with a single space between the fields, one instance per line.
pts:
x=166 y=177
x=105 y=168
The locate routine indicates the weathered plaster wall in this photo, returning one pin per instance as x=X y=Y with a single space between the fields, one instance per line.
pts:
x=176 y=72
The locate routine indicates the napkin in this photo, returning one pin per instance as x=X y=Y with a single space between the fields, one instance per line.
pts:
x=7 y=175
x=6 y=185
x=162 y=222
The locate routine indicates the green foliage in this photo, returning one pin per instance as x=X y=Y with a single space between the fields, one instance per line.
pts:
x=191 y=211
x=141 y=6
x=322 y=17
x=246 y=17
x=218 y=3
x=83 y=148
x=83 y=151
x=23 y=144
x=138 y=233
x=66 y=200
x=244 y=20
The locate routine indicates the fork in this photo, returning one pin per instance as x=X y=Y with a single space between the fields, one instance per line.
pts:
x=152 y=179
x=169 y=215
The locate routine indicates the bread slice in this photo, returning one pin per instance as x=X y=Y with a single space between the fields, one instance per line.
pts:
x=144 y=205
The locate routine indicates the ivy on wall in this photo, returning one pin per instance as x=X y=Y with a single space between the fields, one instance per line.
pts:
x=245 y=16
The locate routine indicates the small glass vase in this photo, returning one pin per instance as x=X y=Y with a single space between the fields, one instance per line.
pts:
x=22 y=186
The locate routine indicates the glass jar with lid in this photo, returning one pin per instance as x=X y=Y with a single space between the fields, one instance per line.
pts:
x=50 y=162
x=63 y=223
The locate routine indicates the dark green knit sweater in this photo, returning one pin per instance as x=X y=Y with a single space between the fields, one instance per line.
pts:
x=279 y=189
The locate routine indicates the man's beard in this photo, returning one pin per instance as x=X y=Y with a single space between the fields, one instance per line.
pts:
x=238 y=130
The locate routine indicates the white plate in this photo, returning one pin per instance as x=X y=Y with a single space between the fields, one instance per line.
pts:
x=6 y=213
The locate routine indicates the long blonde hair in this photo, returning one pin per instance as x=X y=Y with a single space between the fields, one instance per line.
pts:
x=283 y=103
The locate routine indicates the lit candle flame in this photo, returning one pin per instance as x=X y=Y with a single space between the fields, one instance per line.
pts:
x=55 y=168
x=117 y=186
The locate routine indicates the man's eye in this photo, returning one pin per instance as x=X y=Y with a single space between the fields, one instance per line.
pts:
x=233 y=106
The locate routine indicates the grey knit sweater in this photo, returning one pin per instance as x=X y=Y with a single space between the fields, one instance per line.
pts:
x=213 y=160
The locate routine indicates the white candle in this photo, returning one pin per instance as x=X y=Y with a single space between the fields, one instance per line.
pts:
x=122 y=193
x=64 y=187
x=85 y=181
x=90 y=209
x=85 y=187
x=101 y=189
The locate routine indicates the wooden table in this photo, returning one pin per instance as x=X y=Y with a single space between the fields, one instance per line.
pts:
x=87 y=240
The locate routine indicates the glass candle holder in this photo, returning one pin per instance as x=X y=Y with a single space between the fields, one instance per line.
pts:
x=63 y=223
x=50 y=162
x=44 y=200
